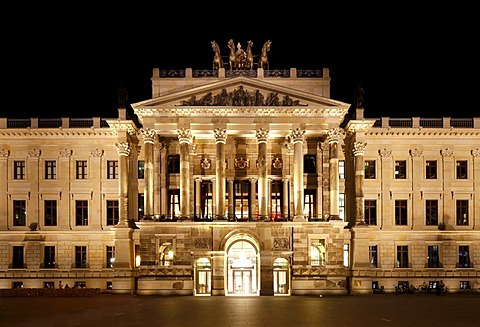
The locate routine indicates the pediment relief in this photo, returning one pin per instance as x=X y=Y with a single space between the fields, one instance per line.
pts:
x=241 y=97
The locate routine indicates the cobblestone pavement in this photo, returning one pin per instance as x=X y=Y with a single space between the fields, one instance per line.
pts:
x=128 y=310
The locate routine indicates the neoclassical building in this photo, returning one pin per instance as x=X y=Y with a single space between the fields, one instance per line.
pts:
x=236 y=182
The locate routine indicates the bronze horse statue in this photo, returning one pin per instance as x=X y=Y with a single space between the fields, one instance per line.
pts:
x=263 y=61
x=217 y=58
x=232 y=57
x=249 y=58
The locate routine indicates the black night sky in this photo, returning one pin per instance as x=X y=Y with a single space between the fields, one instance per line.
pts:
x=409 y=61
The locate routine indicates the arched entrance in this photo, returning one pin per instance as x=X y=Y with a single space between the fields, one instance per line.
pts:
x=242 y=265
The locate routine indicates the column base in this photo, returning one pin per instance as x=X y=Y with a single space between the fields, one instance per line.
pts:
x=334 y=217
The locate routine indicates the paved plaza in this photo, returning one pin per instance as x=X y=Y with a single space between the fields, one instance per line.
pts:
x=126 y=310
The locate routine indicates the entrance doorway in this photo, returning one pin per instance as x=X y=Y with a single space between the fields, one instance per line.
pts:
x=242 y=268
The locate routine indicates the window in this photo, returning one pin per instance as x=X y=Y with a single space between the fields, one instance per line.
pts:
x=17 y=258
x=371 y=212
x=431 y=212
x=81 y=213
x=370 y=169
x=112 y=169
x=110 y=256
x=309 y=209
x=309 y=164
x=19 y=169
x=141 y=206
x=463 y=256
x=341 y=206
x=461 y=169
x=402 y=256
x=80 y=257
x=166 y=254
x=433 y=260
x=341 y=169
x=346 y=255
x=400 y=169
x=50 y=212
x=431 y=169
x=173 y=164
x=113 y=214
x=462 y=212
x=49 y=256
x=373 y=255
x=276 y=200
x=401 y=212
x=50 y=169
x=241 y=193
x=317 y=253
x=19 y=213
x=81 y=169
x=173 y=203
x=141 y=169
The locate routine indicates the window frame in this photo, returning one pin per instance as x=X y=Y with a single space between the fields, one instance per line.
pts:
x=50 y=169
x=400 y=168
x=81 y=169
x=19 y=169
x=370 y=169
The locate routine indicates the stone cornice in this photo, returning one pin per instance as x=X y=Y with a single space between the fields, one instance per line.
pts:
x=56 y=132
x=416 y=133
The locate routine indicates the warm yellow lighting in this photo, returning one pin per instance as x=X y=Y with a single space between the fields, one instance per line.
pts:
x=170 y=255
x=138 y=259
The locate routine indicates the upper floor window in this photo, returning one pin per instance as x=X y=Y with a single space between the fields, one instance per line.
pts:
x=81 y=213
x=370 y=169
x=19 y=213
x=112 y=169
x=400 y=169
x=371 y=212
x=113 y=215
x=50 y=169
x=431 y=212
x=141 y=169
x=462 y=212
x=401 y=212
x=309 y=164
x=462 y=169
x=50 y=213
x=431 y=169
x=173 y=164
x=81 y=169
x=19 y=169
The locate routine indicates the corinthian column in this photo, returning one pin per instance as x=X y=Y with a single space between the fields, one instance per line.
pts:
x=148 y=141
x=262 y=137
x=298 y=197
x=220 y=141
x=358 y=152
x=185 y=139
x=333 y=141
x=123 y=149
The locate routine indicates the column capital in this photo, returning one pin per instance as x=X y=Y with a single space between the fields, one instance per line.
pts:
x=476 y=153
x=297 y=135
x=262 y=135
x=384 y=153
x=97 y=153
x=334 y=134
x=220 y=135
x=359 y=148
x=123 y=148
x=34 y=153
x=148 y=135
x=4 y=153
x=184 y=135
x=416 y=152
x=446 y=152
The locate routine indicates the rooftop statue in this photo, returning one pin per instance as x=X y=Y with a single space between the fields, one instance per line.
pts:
x=239 y=59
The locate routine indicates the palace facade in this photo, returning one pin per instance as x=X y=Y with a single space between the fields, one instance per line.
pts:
x=240 y=182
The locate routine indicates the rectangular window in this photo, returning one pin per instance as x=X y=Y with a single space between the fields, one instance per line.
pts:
x=462 y=212
x=309 y=209
x=173 y=203
x=50 y=212
x=241 y=193
x=371 y=212
x=112 y=169
x=341 y=169
x=141 y=206
x=341 y=206
x=309 y=164
x=141 y=169
x=110 y=256
x=49 y=256
x=18 y=257
x=81 y=169
x=463 y=256
x=81 y=213
x=19 y=213
x=431 y=212
x=317 y=253
x=431 y=169
x=402 y=256
x=400 y=169
x=113 y=214
x=50 y=169
x=346 y=255
x=80 y=257
x=370 y=169
x=19 y=169
x=173 y=164
x=433 y=259
x=462 y=169
x=373 y=254
x=401 y=212
x=276 y=199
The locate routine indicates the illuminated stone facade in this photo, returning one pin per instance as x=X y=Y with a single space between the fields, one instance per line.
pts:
x=240 y=182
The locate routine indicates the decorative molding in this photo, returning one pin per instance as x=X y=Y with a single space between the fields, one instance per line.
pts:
x=97 y=153
x=416 y=152
x=359 y=148
x=242 y=163
x=123 y=148
x=384 y=153
x=65 y=153
x=446 y=152
x=277 y=163
x=220 y=135
x=4 y=153
x=148 y=135
x=34 y=153
x=297 y=135
x=205 y=163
